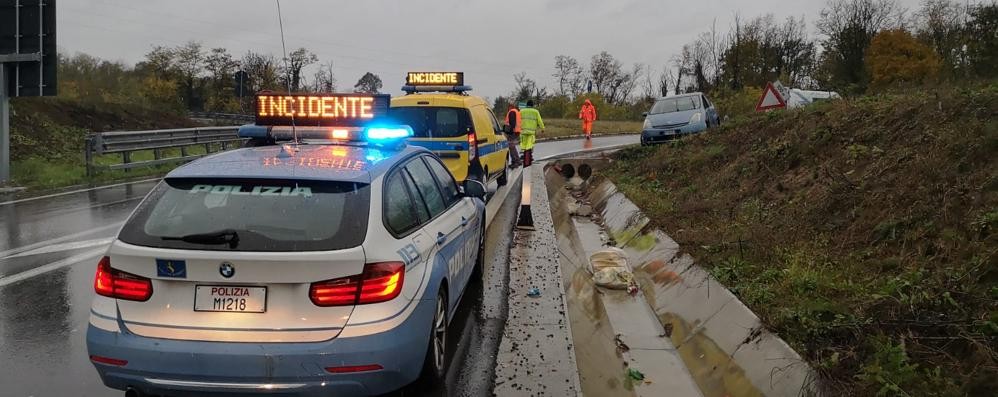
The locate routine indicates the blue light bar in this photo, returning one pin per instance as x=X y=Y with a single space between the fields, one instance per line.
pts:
x=400 y=132
x=436 y=88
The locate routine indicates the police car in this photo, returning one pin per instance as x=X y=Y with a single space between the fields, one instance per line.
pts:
x=296 y=266
x=459 y=128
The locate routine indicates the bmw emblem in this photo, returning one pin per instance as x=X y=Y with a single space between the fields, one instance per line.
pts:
x=227 y=270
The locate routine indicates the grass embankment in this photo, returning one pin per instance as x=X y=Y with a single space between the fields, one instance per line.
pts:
x=48 y=136
x=864 y=232
x=560 y=128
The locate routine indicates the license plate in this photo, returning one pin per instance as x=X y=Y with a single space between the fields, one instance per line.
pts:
x=230 y=298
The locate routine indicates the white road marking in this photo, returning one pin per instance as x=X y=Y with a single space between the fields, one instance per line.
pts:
x=74 y=245
x=595 y=149
x=76 y=191
x=57 y=240
x=7 y=280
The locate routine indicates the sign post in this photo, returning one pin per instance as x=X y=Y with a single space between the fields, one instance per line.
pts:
x=28 y=61
x=4 y=127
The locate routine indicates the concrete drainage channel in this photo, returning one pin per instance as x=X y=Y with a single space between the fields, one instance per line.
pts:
x=686 y=333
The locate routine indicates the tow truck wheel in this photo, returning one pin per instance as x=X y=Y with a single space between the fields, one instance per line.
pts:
x=504 y=177
x=435 y=364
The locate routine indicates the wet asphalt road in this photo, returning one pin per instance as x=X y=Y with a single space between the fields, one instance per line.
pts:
x=48 y=250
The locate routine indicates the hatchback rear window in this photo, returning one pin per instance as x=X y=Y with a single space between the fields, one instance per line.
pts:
x=434 y=122
x=251 y=215
x=670 y=105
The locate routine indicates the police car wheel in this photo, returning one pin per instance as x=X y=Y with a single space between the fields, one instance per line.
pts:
x=480 y=259
x=435 y=364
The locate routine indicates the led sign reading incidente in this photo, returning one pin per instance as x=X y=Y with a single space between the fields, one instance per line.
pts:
x=434 y=78
x=319 y=109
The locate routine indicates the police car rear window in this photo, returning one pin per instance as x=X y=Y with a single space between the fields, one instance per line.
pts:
x=251 y=215
x=434 y=122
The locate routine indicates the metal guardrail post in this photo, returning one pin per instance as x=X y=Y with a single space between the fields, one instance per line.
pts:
x=88 y=154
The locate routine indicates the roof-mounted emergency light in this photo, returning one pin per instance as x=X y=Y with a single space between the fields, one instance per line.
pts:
x=375 y=135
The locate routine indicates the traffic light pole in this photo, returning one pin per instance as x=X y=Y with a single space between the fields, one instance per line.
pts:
x=4 y=128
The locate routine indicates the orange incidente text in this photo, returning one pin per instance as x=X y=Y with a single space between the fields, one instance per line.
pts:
x=315 y=106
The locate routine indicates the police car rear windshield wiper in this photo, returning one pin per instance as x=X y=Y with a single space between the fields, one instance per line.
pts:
x=224 y=236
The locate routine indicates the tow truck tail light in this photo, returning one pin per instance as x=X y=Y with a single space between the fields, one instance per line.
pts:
x=380 y=282
x=114 y=283
x=472 y=145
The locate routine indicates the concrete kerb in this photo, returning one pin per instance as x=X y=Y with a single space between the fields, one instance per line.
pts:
x=536 y=355
x=720 y=339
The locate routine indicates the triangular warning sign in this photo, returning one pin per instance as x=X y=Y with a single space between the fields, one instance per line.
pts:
x=771 y=99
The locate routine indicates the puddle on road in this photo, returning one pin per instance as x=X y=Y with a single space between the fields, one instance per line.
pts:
x=715 y=372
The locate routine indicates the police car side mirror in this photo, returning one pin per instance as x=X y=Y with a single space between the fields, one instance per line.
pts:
x=645 y=114
x=474 y=189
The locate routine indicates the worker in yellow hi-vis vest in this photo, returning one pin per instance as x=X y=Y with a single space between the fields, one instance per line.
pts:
x=531 y=124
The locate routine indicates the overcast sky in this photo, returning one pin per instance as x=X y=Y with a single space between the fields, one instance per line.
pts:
x=488 y=40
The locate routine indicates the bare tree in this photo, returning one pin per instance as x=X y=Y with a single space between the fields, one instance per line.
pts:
x=220 y=66
x=262 y=70
x=650 y=89
x=849 y=26
x=568 y=73
x=297 y=60
x=526 y=88
x=369 y=83
x=604 y=69
x=940 y=23
x=189 y=64
x=664 y=80
x=160 y=62
x=324 y=79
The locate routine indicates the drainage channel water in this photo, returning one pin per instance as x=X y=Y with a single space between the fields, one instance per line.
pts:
x=702 y=367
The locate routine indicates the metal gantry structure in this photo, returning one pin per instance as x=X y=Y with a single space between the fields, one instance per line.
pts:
x=28 y=61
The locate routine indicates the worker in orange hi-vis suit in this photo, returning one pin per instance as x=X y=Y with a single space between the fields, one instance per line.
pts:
x=588 y=116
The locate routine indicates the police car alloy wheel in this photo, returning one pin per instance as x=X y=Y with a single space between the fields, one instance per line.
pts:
x=435 y=366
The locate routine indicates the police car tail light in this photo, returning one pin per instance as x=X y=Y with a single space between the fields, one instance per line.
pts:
x=114 y=283
x=337 y=292
x=379 y=282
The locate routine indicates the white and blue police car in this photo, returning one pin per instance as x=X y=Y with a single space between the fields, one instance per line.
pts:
x=326 y=259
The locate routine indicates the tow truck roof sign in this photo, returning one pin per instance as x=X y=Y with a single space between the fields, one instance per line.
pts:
x=435 y=82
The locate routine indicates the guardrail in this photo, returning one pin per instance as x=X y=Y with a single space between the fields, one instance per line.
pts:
x=221 y=116
x=127 y=142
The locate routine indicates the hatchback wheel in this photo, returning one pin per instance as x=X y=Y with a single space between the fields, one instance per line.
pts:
x=435 y=364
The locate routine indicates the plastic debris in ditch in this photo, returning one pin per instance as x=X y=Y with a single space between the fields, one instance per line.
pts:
x=635 y=374
x=610 y=270
x=534 y=293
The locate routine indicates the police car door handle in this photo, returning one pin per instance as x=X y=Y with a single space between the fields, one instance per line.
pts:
x=441 y=238
x=464 y=221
